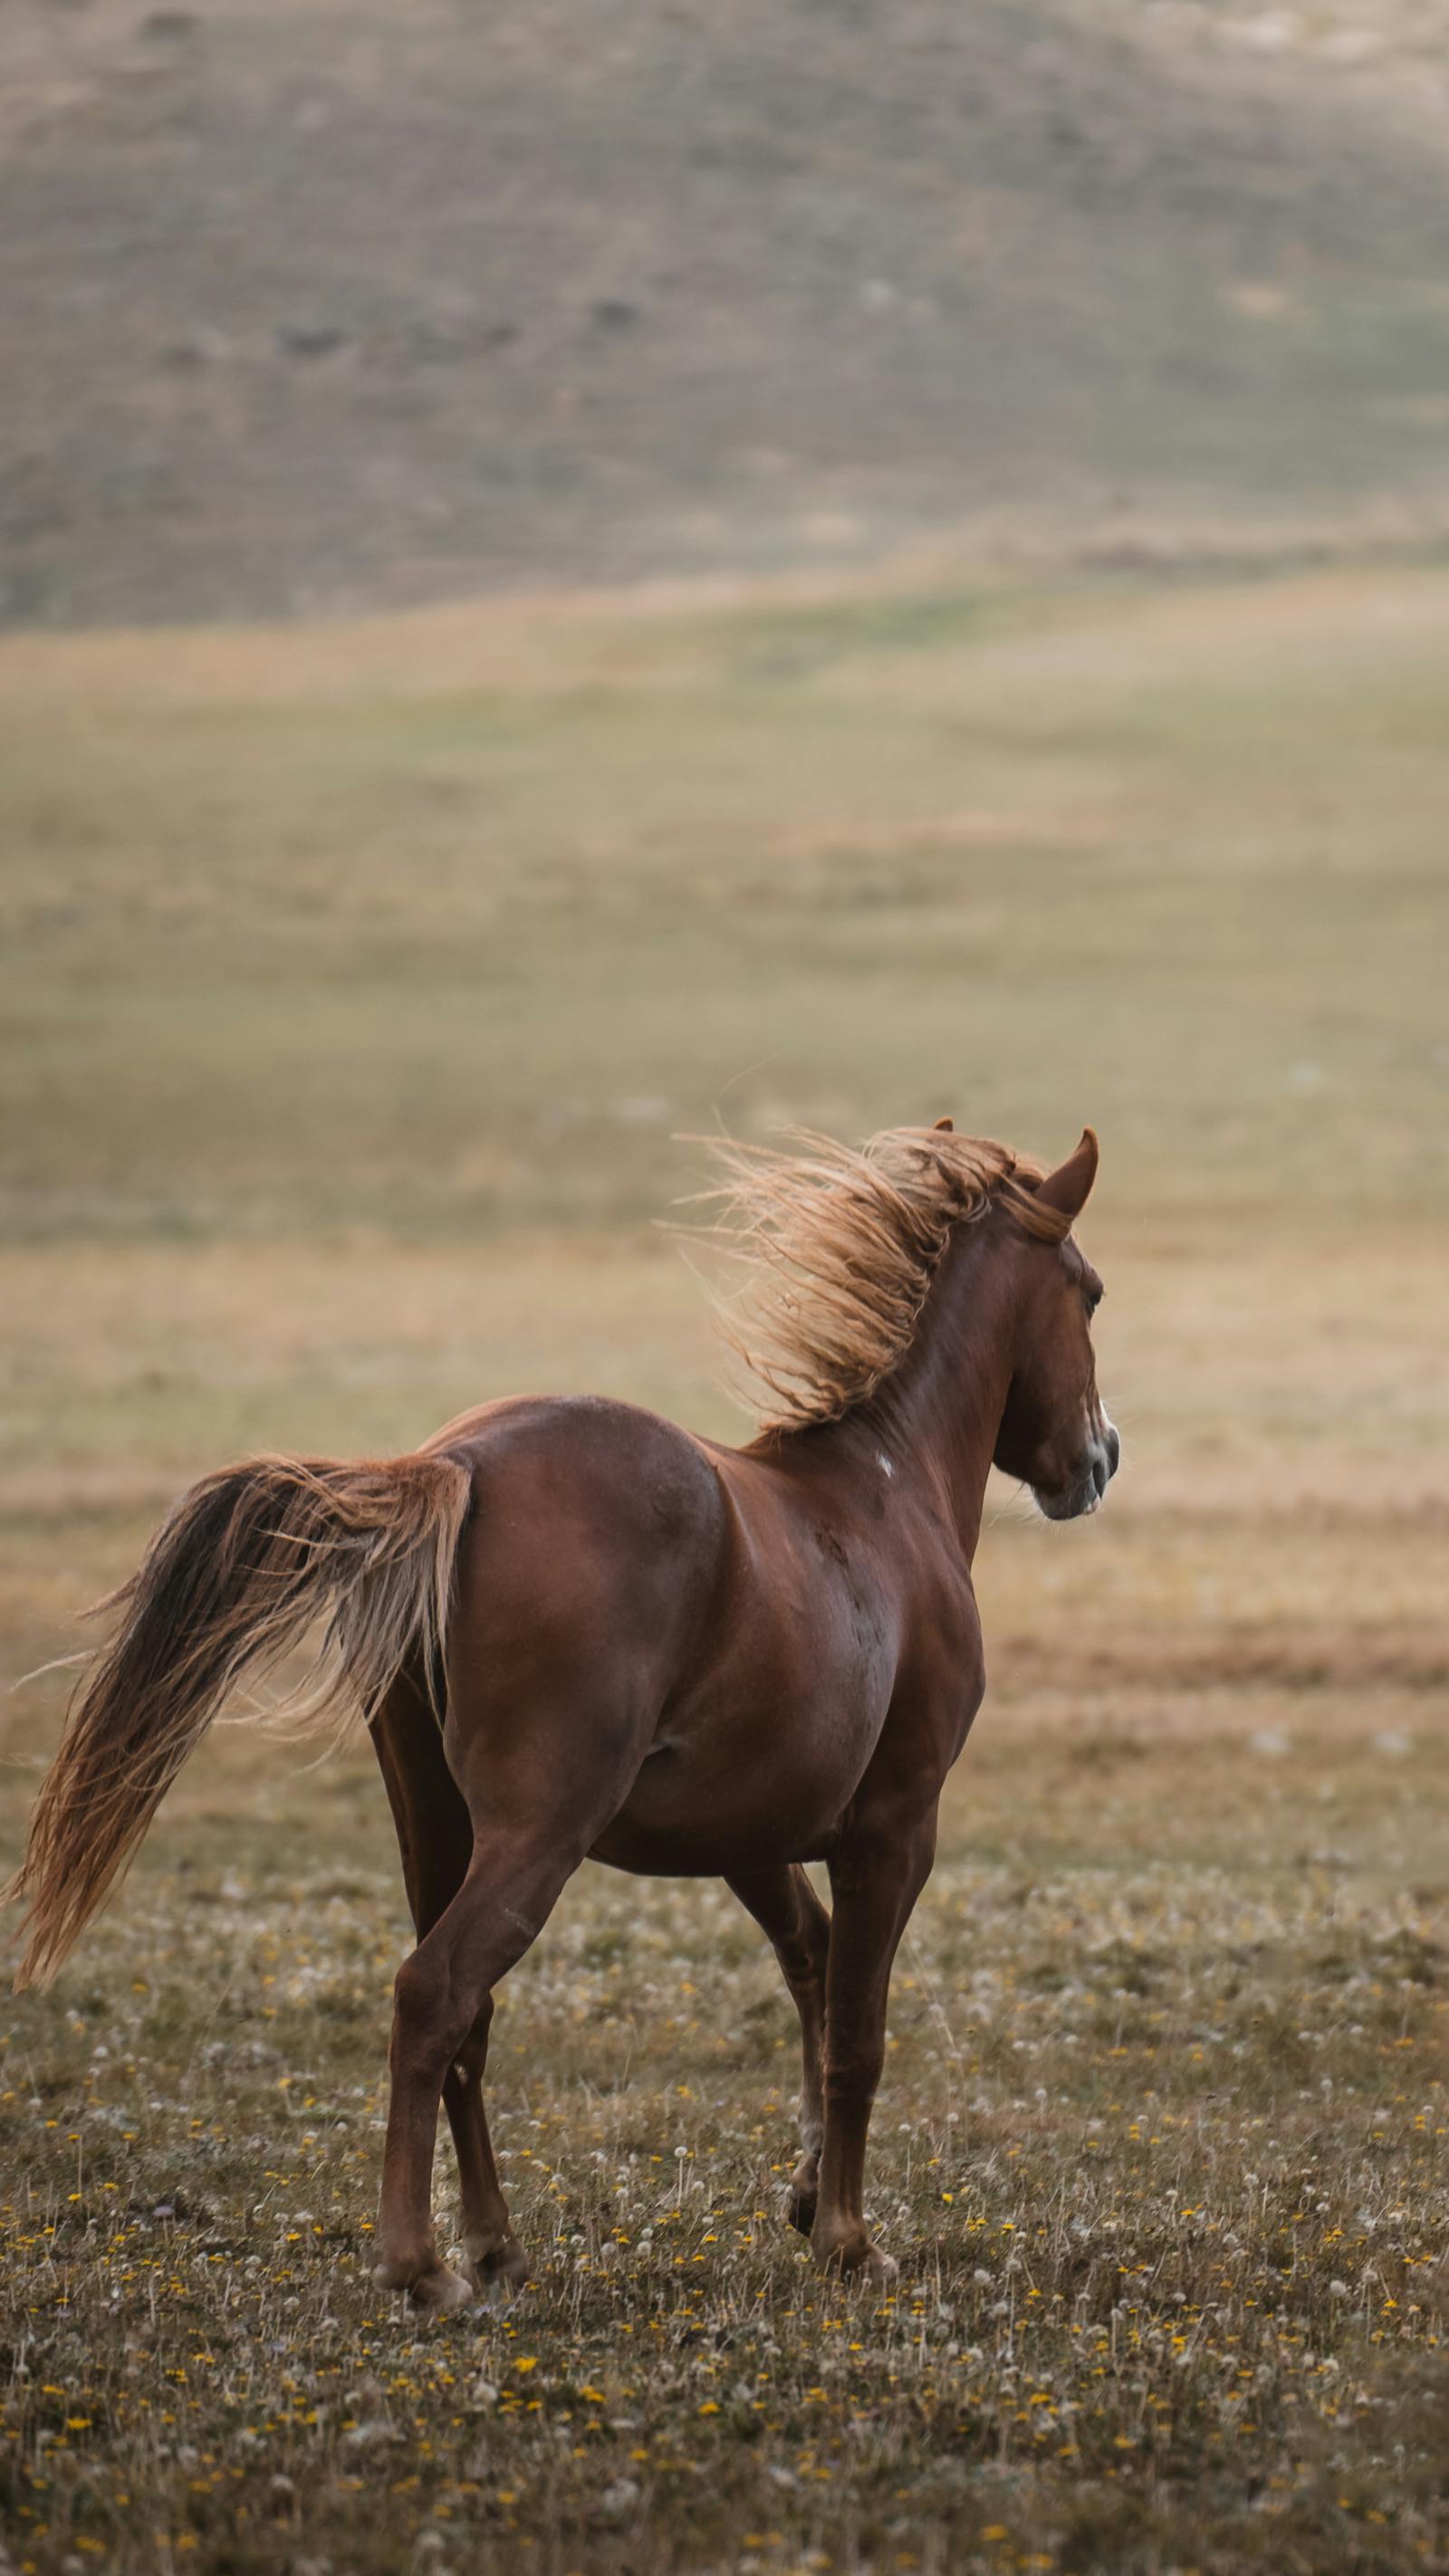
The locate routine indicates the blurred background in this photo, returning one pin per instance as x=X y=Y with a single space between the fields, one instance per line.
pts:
x=579 y=575
x=576 y=574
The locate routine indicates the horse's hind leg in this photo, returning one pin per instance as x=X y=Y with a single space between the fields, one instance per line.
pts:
x=790 y=1914
x=541 y=1776
x=496 y=2260
x=435 y=1840
x=442 y=2000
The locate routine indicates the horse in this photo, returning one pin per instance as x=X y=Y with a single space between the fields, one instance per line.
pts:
x=576 y=1631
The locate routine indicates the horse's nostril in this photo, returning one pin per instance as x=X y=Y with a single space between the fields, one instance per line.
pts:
x=1114 y=1449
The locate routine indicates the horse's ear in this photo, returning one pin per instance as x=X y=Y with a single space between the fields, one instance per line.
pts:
x=1068 y=1188
x=944 y=1126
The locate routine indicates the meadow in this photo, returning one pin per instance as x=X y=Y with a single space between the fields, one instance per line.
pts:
x=359 y=982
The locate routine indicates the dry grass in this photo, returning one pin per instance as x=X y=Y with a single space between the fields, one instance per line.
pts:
x=373 y=1130
x=1161 y=2146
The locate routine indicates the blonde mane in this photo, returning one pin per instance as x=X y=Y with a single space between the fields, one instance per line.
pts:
x=839 y=1247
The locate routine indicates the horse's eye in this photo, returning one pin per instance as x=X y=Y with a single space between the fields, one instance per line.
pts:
x=1094 y=1299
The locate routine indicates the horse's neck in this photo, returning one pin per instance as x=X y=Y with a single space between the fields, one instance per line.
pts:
x=939 y=1411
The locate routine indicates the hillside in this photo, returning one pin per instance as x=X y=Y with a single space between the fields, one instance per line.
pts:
x=304 y=305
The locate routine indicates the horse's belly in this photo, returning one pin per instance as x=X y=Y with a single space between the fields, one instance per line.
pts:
x=744 y=1790
x=705 y=1851
x=718 y=1809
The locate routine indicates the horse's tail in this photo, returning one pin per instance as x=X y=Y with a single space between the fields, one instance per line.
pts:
x=245 y=1563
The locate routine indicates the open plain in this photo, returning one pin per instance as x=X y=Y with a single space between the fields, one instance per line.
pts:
x=358 y=980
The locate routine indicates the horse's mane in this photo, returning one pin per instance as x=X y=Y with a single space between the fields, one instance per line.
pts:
x=839 y=1247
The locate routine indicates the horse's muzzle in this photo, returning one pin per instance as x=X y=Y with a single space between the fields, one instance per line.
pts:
x=1084 y=1493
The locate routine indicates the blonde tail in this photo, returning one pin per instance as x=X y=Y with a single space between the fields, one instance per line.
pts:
x=245 y=1563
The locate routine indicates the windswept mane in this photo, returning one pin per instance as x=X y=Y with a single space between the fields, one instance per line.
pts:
x=839 y=1247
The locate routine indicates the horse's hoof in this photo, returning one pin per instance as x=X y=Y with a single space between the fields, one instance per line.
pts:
x=434 y=2293
x=438 y=2293
x=805 y=2191
x=854 y=2258
x=501 y=2272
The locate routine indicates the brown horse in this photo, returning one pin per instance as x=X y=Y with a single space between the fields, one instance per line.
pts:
x=576 y=1630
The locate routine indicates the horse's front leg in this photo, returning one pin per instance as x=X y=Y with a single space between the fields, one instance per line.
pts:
x=790 y=1914
x=875 y=1878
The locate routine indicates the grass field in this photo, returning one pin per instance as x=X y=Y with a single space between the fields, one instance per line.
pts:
x=356 y=984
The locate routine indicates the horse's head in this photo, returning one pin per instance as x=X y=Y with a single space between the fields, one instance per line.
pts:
x=1054 y=1434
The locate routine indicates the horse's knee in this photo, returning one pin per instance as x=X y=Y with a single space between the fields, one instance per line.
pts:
x=428 y=2024
x=802 y=1953
x=419 y=1991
